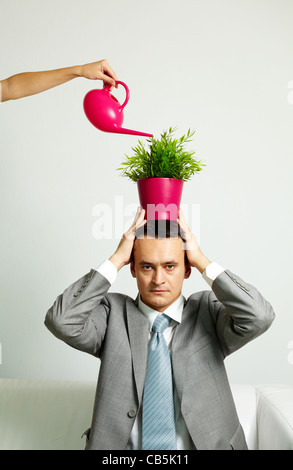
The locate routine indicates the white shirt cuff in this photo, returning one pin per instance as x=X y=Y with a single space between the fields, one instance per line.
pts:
x=212 y=271
x=108 y=270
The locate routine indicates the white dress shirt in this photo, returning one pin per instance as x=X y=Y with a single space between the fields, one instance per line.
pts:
x=174 y=311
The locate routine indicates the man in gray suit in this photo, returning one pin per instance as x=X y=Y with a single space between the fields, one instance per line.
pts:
x=204 y=329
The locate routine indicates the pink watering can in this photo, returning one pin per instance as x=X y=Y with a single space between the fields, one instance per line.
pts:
x=104 y=111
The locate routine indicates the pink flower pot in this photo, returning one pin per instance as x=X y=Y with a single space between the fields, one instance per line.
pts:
x=160 y=197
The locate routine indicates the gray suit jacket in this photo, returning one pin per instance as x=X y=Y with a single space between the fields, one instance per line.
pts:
x=110 y=326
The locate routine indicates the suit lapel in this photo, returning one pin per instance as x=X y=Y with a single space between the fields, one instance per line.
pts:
x=138 y=328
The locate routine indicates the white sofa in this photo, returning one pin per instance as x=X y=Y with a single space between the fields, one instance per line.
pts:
x=52 y=415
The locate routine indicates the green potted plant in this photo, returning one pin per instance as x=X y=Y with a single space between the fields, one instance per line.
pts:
x=160 y=171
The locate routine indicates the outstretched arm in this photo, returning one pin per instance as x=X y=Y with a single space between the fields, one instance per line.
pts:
x=31 y=83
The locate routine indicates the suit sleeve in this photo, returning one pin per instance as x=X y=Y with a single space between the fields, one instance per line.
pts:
x=241 y=313
x=79 y=316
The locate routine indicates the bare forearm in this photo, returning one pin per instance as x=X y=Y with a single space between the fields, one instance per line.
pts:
x=31 y=83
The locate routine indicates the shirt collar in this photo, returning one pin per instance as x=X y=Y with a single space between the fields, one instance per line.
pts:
x=174 y=311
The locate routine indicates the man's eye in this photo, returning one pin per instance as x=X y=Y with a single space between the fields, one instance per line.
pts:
x=170 y=267
x=147 y=268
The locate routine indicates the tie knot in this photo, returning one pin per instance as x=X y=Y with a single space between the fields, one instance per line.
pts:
x=161 y=323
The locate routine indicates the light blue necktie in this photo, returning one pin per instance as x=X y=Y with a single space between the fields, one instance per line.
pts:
x=158 y=422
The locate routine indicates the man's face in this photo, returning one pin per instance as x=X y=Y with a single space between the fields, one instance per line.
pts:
x=159 y=269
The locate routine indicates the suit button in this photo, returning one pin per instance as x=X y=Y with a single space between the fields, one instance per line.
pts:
x=131 y=413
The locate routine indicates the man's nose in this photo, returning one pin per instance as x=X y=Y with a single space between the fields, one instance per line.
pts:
x=158 y=277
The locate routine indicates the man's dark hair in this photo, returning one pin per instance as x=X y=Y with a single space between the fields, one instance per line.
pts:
x=160 y=229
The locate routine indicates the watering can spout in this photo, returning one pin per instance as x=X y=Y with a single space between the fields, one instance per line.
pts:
x=122 y=130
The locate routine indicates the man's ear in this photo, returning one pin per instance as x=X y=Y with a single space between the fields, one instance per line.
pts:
x=187 y=271
x=132 y=269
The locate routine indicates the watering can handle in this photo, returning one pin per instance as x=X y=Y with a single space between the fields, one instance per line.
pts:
x=127 y=94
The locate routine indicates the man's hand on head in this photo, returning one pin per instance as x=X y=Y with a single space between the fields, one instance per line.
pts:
x=122 y=255
x=194 y=254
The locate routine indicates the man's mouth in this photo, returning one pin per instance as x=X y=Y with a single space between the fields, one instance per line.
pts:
x=158 y=291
